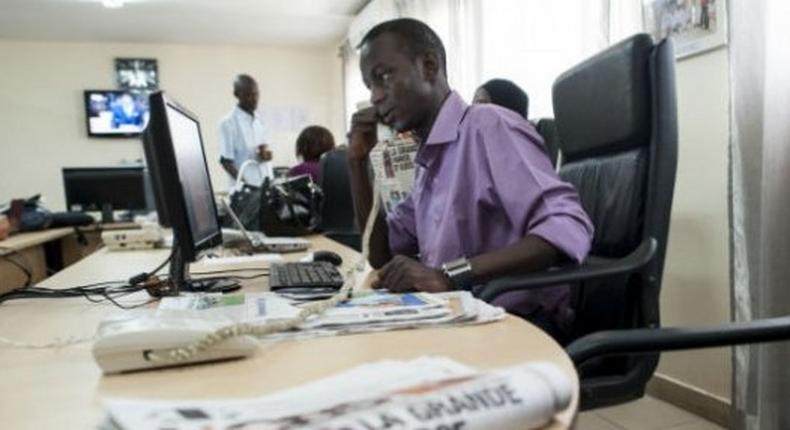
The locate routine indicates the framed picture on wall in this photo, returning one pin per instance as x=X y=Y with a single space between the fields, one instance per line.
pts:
x=137 y=73
x=695 y=25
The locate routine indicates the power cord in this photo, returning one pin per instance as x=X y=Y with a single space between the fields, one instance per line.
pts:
x=97 y=292
x=23 y=265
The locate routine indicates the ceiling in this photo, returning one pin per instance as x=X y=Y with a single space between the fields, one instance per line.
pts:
x=269 y=22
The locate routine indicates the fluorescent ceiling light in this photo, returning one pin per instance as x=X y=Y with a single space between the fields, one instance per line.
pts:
x=112 y=4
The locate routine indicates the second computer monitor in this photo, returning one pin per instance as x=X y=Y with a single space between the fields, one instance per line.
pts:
x=106 y=189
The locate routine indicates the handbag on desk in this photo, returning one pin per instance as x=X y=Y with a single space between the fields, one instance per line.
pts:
x=289 y=207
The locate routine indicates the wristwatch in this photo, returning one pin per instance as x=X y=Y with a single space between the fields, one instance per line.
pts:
x=459 y=272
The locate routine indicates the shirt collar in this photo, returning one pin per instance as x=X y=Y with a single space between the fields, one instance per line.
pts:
x=239 y=111
x=446 y=127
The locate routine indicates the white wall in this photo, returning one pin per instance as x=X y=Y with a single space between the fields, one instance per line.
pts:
x=42 y=119
x=696 y=286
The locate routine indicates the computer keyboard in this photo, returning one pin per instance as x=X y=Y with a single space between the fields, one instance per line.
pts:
x=299 y=276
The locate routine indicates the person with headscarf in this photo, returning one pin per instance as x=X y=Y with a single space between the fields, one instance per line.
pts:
x=505 y=93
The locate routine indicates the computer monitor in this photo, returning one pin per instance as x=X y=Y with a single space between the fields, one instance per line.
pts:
x=106 y=189
x=182 y=188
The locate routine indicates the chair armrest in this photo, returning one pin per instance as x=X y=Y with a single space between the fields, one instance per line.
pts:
x=639 y=341
x=591 y=269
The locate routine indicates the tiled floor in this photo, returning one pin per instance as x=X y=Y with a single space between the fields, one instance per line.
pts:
x=647 y=413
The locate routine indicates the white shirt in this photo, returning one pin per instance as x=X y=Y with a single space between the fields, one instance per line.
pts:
x=239 y=136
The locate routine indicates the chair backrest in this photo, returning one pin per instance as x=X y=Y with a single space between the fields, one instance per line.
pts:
x=617 y=124
x=337 y=211
x=547 y=129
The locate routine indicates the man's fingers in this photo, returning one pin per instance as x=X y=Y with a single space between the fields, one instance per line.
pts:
x=389 y=272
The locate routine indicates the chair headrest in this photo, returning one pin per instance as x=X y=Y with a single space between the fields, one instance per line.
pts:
x=603 y=104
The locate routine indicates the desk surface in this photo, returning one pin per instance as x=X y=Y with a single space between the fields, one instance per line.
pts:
x=62 y=388
x=24 y=240
x=20 y=241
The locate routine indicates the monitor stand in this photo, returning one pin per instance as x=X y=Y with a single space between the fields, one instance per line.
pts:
x=180 y=280
x=106 y=214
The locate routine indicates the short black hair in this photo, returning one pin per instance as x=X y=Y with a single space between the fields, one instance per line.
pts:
x=507 y=94
x=313 y=141
x=242 y=80
x=418 y=38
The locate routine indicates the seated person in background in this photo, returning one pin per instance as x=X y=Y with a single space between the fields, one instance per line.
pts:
x=312 y=142
x=503 y=93
x=486 y=200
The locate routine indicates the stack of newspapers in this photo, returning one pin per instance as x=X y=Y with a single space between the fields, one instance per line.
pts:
x=424 y=393
x=372 y=311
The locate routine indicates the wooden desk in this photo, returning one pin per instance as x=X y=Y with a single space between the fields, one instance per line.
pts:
x=62 y=388
x=49 y=251
x=31 y=250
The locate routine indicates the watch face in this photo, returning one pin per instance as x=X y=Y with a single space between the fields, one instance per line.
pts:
x=137 y=73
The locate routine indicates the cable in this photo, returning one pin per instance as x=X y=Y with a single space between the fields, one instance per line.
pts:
x=315 y=308
x=26 y=268
x=56 y=343
x=105 y=291
x=95 y=293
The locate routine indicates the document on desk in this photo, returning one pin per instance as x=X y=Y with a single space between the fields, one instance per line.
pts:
x=373 y=312
x=230 y=308
x=428 y=392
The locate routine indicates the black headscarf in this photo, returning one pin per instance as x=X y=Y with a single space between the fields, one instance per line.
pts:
x=508 y=95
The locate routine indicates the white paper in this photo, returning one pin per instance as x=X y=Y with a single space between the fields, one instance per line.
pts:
x=421 y=393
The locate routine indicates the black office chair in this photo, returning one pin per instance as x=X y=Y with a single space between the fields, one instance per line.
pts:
x=337 y=210
x=547 y=129
x=617 y=123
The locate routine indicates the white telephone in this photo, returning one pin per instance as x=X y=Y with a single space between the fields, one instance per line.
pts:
x=143 y=343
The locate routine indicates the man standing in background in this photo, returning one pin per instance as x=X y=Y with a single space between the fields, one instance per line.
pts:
x=242 y=136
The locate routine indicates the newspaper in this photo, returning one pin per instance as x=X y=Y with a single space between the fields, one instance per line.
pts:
x=393 y=166
x=425 y=393
x=372 y=312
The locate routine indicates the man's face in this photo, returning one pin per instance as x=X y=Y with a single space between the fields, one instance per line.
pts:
x=399 y=89
x=247 y=94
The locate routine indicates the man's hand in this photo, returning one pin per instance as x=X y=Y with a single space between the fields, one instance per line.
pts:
x=406 y=274
x=229 y=167
x=362 y=137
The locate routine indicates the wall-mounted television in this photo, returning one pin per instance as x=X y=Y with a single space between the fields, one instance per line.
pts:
x=116 y=113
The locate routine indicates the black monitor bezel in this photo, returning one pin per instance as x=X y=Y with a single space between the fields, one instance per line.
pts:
x=102 y=171
x=169 y=194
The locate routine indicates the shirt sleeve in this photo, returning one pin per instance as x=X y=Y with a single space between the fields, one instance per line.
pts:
x=530 y=191
x=402 y=229
x=226 y=140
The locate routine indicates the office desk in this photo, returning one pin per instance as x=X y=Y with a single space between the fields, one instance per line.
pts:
x=62 y=388
x=32 y=249
x=49 y=251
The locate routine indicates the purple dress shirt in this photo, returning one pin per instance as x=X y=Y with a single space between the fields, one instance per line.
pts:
x=311 y=168
x=483 y=181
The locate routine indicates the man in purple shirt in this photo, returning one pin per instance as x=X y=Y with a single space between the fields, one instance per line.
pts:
x=486 y=200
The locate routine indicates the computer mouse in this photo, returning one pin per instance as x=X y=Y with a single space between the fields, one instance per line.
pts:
x=328 y=256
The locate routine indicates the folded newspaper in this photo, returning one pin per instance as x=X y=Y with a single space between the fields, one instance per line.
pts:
x=425 y=393
x=393 y=166
x=374 y=311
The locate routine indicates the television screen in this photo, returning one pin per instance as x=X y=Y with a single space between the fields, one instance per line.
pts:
x=116 y=113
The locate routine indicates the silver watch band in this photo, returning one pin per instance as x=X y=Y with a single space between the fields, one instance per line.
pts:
x=459 y=272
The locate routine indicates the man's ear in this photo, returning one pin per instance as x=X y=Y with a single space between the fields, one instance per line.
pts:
x=431 y=66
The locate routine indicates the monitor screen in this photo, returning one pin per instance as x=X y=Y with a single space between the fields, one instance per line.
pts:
x=93 y=188
x=112 y=113
x=179 y=172
x=192 y=171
